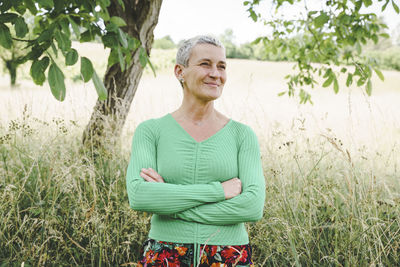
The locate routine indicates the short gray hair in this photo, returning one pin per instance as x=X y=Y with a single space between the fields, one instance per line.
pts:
x=184 y=51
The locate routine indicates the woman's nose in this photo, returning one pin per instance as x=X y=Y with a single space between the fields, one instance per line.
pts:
x=214 y=72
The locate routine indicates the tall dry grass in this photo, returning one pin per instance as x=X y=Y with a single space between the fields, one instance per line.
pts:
x=332 y=173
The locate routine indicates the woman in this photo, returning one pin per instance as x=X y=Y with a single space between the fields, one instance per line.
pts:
x=197 y=171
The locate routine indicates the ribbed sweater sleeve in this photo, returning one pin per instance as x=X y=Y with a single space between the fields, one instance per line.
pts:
x=161 y=198
x=246 y=207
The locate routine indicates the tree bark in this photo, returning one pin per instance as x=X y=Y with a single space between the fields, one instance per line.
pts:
x=11 y=66
x=108 y=117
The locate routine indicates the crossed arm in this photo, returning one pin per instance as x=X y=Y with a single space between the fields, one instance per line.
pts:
x=214 y=203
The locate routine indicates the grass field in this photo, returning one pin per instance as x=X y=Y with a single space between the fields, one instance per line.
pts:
x=332 y=170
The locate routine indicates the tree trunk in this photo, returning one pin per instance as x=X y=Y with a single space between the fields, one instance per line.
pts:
x=108 y=117
x=11 y=66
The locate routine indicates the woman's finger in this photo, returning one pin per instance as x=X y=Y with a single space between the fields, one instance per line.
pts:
x=149 y=173
x=155 y=175
x=147 y=177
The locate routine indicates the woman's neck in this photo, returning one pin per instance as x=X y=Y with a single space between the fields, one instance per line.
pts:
x=196 y=114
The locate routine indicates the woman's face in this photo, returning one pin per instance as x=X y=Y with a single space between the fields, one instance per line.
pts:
x=205 y=75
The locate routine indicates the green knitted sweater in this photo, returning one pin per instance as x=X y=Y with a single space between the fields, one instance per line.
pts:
x=190 y=207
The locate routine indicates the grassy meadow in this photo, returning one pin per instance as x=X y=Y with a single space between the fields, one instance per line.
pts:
x=332 y=169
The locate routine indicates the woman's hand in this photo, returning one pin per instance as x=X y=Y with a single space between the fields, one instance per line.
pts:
x=151 y=175
x=232 y=187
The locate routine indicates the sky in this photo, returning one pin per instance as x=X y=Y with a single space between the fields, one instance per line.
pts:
x=182 y=19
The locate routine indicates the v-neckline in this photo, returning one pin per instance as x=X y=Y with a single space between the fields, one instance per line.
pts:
x=191 y=137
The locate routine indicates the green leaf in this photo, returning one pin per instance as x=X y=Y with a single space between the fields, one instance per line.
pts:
x=86 y=69
x=360 y=82
x=396 y=7
x=142 y=57
x=121 y=59
x=37 y=70
x=45 y=62
x=384 y=6
x=327 y=73
x=75 y=27
x=121 y=3
x=349 y=79
x=118 y=21
x=335 y=85
x=45 y=3
x=104 y=15
x=31 y=6
x=56 y=82
x=19 y=7
x=21 y=29
x=8 y=17
x=64 y=43
x=104 y=3
x=312 y=13
x=110 y=40
x=111 y=27
x=36 y=73
x=152 y=68
x=328 y=81
x=113 y=57
x=368 y=88
x=6 y=5
x=282 y=93
x=253 y=15
x=86 y=36
x=321 y=20
x=358 y=47
x=367 y=3
x=5 y=36
x=54 y=48
x=133 y=43
x=59 y=6
x=64 y=23
x=122 y=38
x=45 y=35
x=374 y=38
x=380 y=74
x=98 y=84
x=385 y=35
x=71 y=58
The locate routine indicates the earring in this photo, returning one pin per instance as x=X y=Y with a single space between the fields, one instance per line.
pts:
x=181 y=80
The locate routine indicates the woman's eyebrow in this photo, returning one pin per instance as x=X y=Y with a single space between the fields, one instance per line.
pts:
x=204 y=59
x=209 y=60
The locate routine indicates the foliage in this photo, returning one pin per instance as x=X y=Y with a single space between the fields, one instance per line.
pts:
x=327 y=36
x=55 y=24
x=164 y=43
x=13 y=57
x=383 y=53
x=326 y=204
x=386 y=59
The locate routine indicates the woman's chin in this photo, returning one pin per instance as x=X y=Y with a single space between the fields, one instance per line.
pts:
x=213 y=96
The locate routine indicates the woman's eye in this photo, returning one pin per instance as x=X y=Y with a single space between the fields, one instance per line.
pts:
x=204 y=64
x=222 y=67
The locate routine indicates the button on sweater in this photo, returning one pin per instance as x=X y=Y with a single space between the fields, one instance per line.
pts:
x=190 y=207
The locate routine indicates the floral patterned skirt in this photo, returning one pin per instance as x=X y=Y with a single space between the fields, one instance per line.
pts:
x=159 y=253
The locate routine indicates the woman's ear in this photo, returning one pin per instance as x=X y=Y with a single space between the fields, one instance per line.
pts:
x=178 y=70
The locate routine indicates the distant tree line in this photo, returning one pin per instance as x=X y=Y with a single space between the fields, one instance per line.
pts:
x=386 y=52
